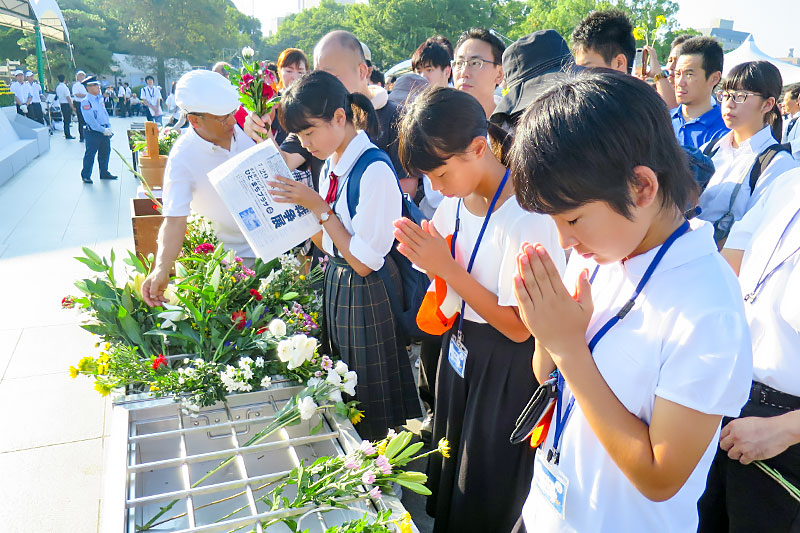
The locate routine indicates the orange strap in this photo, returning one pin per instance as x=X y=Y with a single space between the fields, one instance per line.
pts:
x=430 y=318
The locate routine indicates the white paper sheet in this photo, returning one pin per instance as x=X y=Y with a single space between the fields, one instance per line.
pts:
x=270 y=228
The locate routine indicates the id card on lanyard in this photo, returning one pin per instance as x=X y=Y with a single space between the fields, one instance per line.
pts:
x=457 y=352
x=547 y=475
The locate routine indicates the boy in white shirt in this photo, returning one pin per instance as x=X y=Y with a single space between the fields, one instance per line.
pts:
x=151 y=98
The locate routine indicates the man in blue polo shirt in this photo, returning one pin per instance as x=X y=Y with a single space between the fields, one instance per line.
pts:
x=698 y=70
x=97 y=132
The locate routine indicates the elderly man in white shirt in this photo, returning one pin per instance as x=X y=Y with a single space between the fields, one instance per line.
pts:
x=22 y=96
x=209 y=100
x=79 y=92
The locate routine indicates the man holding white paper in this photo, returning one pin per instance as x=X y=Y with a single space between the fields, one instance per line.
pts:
x=209 y=100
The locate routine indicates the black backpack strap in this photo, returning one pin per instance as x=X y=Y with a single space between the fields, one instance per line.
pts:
x=763 y=161
x=711 y=148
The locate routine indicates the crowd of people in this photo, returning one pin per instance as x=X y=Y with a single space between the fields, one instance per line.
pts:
x=617 y=255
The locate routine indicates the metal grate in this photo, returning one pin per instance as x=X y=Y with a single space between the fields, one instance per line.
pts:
x=155 y=454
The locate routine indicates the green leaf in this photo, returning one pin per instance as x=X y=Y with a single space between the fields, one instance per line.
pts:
x=416 y=477
x=131 y=329
x=291 y=295
x=397 y=444
x=416 y=487
x=180 y=270
x=121 y=312
x=408 y=452
x=215 y=278
x=91 y=255
x=91 y=264
x=316 y=429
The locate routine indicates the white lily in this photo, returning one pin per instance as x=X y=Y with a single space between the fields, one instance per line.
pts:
x=350 y=381
x=307 y=407
x=174 y=313
x=285 y=350
x=248 y=52
x=341 y=368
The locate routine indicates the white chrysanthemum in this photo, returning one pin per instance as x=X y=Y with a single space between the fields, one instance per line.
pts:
x=341 y=368
x=277 y=327
x=266 y=382
x=307 y=407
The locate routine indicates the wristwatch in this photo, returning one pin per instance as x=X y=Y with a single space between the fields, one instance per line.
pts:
x=324 y=217
x=664 y=74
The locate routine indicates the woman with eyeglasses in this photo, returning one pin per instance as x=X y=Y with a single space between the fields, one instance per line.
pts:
x=477 y=66
x=748 y=159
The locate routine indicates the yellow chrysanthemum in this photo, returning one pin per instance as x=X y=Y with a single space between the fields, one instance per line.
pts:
x=106 y=346
x=357 y=417
x=84 y=363
x=444 y=448
x=73 y=372
x=302 y=278
x=153 y=388
x=381 y=447
x=277 y=295
x=102 y=388
x=660 y=21
x=639 y=34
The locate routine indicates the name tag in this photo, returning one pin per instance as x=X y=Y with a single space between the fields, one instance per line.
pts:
x=550 y=482
x=457 y=354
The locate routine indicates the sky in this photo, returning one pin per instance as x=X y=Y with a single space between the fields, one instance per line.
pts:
x=758 y=18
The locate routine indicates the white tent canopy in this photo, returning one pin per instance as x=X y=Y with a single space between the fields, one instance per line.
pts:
x=748 y=51
x=23 y=14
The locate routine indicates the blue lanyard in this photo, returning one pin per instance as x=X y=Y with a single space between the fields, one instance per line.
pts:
x=480 y=236
x=561 y=421
x=762 y=279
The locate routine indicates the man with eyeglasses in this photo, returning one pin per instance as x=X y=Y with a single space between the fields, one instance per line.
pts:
x=209 y=101
x=698 y=70
x=478 y=66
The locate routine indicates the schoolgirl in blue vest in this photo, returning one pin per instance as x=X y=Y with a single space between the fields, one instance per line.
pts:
x=652 y=348
x=484 y=376
x=361 y=329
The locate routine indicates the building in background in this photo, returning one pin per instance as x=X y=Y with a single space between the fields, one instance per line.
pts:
x=722 y=30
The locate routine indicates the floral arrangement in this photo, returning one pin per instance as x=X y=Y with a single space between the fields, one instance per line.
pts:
x=166 y=139
x=257 y=85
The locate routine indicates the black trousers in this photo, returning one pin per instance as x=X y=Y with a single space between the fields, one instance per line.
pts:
x=96 y=143
x=742 y=498
x=426 y=384
x=35 y=112
x=66 y=114
x=81 y=123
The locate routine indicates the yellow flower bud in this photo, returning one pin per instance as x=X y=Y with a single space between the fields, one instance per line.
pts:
x=73 y=372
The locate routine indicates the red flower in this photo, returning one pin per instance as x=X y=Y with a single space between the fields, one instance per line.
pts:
x=67 y=302
x=204 y=248
x=239 y=318
x=255 y=294
x=267 y=91
x=155 y=207
x=160 y=360
x=243 y=88
x=247 y=78
x=260 y=331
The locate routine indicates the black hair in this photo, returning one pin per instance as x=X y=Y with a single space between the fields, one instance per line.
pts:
x=679 y=40
x=609 y=33
x=580 y=141
x=317 y=95
x=61 y=77
x=441 y=123
x=149 y=77
x=376 y=77
x=794 y=91
x=444 y=41
x=764 y=79
x=709 y=49
x=486 y=36
x=430 y=53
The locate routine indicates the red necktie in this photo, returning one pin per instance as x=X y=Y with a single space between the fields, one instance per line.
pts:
x=332 y=189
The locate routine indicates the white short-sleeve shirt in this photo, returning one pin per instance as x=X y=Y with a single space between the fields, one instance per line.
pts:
x=379 y=205
x=686 y=340
x=79 y=88
x=187 y=188
x=496 y=262
x=732 y=166
x=773 y=311
x=152 y=95
x=62 y=92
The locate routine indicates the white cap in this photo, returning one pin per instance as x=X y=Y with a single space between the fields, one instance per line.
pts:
x=80 y=72
x=367 y=53
x=17 y=72
x=204 y=91
x=29 y=73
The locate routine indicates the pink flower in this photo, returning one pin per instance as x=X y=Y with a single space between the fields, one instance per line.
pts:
x=383 y=463
x=352 y=463
x=247 y=78
x=243 y=88
x=375 y=493
x=238 y=259
x=367 y=448
x=326 y=365
x=368 y=478
x=248 y=273
x=204 y=248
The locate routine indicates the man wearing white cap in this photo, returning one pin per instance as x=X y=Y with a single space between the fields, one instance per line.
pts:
x=21 y=96
x=78 y=94
x=209 y=101
x=35 y=90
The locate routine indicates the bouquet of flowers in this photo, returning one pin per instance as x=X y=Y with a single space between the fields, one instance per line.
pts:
x=257 y=85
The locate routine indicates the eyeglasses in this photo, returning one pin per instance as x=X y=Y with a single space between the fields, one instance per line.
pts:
x=737 y=96
x=476 y=63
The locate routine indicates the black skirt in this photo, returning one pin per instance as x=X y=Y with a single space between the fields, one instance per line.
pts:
x=361 y=331
x=485 y=482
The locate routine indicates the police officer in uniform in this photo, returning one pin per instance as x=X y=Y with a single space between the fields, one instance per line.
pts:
x=78 y=94
x=97 y=131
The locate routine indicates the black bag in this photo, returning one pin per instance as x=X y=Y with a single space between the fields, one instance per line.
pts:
x=546 y=393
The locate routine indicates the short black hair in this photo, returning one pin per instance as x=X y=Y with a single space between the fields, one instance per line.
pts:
x=149 y=77
x=709 y=49
x=794 y=91
x=430 y=53
x=61 y=77
x=679 y=40
x=377 y=76
x=609 y=33
x=482 y=34
x=581 y=139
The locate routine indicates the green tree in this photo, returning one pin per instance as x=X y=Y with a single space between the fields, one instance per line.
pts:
x=9 y=49
x=303 y=30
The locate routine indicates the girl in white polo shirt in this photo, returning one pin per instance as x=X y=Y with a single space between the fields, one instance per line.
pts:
x=764 y=247
x=652 y=349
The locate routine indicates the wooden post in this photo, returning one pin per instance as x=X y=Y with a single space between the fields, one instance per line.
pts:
x=151 y=136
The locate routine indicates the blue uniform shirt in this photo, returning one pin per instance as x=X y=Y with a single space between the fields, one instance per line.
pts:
x=698 y=131
x=94 y=113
